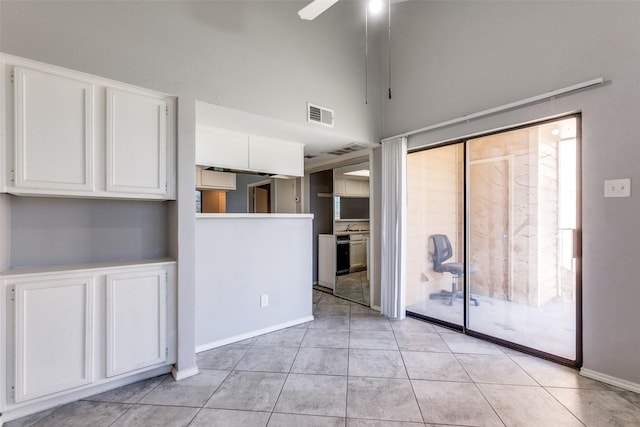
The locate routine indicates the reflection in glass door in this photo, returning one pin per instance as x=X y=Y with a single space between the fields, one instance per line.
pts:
x=521 y=224
x=522 y=190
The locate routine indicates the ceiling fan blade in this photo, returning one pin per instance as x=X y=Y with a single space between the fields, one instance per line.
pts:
x=315 y=8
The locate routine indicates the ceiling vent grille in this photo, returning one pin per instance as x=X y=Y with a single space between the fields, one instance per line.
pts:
x=347 y=149
x=320 y=115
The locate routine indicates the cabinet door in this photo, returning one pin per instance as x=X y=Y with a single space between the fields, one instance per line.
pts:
x=136 y=320
x=275 y=156
x=357 y=254
x=339 y=187
x=54 y=132
x=136 y=143
x=218 y=180
x=364 y=188
x=222 y=148
x=54 y=334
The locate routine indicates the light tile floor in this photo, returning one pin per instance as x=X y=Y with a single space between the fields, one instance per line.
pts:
x=552 y=325
x=352 y=367
x=353 y=286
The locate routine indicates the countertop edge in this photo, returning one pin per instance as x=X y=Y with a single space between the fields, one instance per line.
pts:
x=252 y=216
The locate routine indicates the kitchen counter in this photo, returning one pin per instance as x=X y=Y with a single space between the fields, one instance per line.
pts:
x=345 y=233
x=251 y=216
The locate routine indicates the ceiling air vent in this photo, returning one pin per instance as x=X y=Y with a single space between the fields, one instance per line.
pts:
x=347 y=149
x=320 y=115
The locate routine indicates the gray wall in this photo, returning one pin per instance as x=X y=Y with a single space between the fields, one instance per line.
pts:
x=257 y=57
x=457 y=58
x=237 y=201
x=72 y=231
x=262 y=256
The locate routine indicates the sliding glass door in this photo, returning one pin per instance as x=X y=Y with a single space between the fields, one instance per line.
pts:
x=435 y=233
x=512 y=227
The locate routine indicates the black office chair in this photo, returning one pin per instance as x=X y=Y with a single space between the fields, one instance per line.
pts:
x=442 y=251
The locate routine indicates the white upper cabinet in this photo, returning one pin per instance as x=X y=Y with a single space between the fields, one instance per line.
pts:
x=276 y=156
x=73 y=134
x=348 y=187
x=214 y=180
x=339 y=187
x=136 y=142
x=357 y=188
x=228 y=149
x=222 y=148
x=54 y=131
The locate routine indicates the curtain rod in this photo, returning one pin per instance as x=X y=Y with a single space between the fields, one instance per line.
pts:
x=520 y=103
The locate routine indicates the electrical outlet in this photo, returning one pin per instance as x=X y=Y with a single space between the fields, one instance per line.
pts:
x=264 y=300
x=617 y=187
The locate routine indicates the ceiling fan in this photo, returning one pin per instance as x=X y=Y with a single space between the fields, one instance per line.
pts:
x=316 y=7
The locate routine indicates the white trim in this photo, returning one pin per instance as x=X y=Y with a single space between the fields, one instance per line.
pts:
x=252 y=216
x=618 y=382
x=527 y=101
x=184 y=373
x=41 y=404
x=208 y=346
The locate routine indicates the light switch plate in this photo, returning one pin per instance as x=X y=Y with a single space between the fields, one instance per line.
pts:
x=617 y=187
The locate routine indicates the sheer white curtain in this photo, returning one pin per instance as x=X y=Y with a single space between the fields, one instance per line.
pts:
x=394 y=204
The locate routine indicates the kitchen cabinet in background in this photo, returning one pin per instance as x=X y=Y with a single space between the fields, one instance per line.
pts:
x=346 y=187
x=326 y=260
x=214 y=180
x=240 y=151
x=357 y=252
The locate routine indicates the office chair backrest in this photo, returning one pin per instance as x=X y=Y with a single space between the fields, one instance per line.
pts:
x=442 y=250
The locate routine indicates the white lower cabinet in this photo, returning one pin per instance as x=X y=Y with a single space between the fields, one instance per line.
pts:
x=67 y=330
x=53 y=334
x=136 y=320
x=357 y=256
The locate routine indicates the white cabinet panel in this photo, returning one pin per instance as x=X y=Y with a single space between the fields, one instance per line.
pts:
x=54 y=131
x=53 y=324
x=73 y=134
x=326 y=260
x=136 y=142
x=357 y=256
x=136 y=320
x=339 y=187
x=275 y=156
x=215 y=180
x=222 y=148
x=356 y=188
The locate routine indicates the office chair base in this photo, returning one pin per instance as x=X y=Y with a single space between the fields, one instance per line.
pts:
x=451 y=296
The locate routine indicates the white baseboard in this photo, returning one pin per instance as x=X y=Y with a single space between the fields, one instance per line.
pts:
x=618 y=382
x=44 y=403
x=219 y=343
x=184 y=373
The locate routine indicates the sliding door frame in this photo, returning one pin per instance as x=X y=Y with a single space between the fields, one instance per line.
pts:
x=577 y=247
